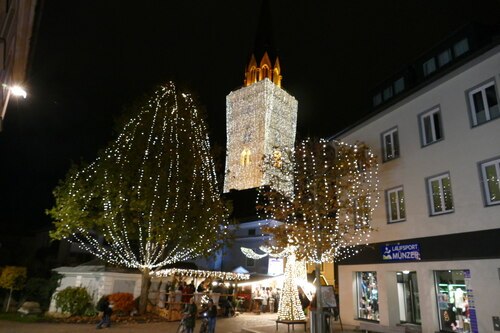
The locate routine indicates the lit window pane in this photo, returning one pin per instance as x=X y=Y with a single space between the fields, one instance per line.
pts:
x=402 y=211
x=493 y=183
x=436 y=196
x=394 y=206
x=448 y=200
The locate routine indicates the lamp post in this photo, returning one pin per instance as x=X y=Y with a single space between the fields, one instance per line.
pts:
x=14 y=90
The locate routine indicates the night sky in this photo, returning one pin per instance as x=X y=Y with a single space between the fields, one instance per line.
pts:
x=93 y=57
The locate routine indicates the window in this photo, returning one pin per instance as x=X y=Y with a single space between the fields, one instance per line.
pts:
x=429 y=66
x=377 y=99
x=461 y=47
x=390 y=144
x=490 y=176
x=245 y=157
x=387 y=93
x=251 y=232
x=440 y=197
x=396 y=205
x=399 y=85
x=444 y=57
x=367 y=288
x=430 y=125
x=483 y=103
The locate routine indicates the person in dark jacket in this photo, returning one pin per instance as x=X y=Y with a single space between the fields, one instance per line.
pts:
x=190 y=316
x=212 y=316
x=105 y=307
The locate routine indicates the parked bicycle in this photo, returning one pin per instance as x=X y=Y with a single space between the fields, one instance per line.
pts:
x=182 y=325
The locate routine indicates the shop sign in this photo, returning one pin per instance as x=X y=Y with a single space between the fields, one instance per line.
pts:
x=399 y=252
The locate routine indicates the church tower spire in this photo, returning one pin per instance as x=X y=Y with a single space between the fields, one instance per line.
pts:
x=261 y=117
x=264 y=61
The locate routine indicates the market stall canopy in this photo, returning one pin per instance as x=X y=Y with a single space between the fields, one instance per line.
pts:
x=196 y=273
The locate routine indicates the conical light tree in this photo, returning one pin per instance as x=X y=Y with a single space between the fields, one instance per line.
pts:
x=325 y=193
x=151 y=194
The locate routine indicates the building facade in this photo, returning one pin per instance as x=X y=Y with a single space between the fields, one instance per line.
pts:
x=434 y=260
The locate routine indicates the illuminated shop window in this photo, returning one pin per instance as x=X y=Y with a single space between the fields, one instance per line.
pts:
x=367 y=295
x=452 y=301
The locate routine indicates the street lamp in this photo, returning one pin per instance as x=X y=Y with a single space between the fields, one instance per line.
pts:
x=14 y=90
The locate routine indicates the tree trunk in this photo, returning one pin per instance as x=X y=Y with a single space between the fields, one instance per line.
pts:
x=319 y=301
x=145 y=283
x=8 y=301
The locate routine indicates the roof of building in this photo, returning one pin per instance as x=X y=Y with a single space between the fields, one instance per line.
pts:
x=416 y=75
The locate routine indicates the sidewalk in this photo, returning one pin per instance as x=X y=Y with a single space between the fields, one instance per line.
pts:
x=244 y=323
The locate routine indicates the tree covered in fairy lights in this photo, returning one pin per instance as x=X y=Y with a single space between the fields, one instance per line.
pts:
x=325 y=193
x=151 y=194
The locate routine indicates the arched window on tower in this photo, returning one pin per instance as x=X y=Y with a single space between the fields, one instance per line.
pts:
x=253 y=75
x=264 y=72
x=277 y=77
x=245 y=157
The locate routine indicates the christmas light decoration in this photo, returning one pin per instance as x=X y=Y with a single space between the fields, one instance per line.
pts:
x=295 y=275
x=290 y=307
x=249 y=253
x=327 y=212
x=225 y=276
x=260 y=117
x=151 y=195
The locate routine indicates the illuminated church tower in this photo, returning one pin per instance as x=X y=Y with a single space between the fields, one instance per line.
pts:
x=260 y=116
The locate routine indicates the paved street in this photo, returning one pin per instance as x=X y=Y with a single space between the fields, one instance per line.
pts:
x=246 y=322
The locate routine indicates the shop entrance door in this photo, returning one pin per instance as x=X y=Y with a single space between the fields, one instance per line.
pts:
x=408 y=297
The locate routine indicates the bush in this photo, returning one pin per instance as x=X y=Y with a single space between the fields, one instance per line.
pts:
x=123 y=303
x=74 y=300
x=40 y=290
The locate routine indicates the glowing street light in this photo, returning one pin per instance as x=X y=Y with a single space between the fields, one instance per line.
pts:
x=14 y=90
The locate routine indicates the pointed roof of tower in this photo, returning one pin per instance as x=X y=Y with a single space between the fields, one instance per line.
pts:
x=264 y=62
x=264 y=40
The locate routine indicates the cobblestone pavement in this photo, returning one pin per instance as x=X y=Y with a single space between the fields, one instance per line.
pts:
x=246 y=322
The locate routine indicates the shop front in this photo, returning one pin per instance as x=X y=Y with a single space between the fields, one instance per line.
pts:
x=425 y=294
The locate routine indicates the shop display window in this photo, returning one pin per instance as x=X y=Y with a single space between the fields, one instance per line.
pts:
x=452 y=301
x=367 y=295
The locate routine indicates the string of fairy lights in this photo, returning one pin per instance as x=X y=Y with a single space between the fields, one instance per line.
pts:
x=195 y=273
x=328 y=213
x=156 y=173
x=290 y=307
